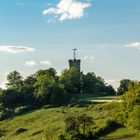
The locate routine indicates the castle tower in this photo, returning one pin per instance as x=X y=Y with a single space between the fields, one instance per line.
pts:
x=75 y=62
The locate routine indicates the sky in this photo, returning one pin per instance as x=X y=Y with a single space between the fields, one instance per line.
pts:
x=41 y=34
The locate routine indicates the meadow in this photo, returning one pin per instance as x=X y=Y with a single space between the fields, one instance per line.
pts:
x=48 y=123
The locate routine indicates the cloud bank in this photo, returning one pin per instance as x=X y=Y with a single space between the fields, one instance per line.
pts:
x=16 y=49
x=135 y=45
x=30 y=63
x=68 y=9
x=46 y=62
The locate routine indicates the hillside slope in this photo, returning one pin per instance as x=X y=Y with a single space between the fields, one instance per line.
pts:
x=48 y=124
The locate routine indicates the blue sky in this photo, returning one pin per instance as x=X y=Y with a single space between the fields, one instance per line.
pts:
x=41 y=34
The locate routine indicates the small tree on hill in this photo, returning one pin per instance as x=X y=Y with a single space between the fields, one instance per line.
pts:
x=79 y=125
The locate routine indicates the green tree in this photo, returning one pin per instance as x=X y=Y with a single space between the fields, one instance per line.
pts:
x=85 y=123
x=47 y=88
x=93 y=84
x=124 y=85
x=50 y=72
x=129 y=104
x=15 y=80
x=42 y=88
x=58 y=94
x=71 y=80
x=78 y=124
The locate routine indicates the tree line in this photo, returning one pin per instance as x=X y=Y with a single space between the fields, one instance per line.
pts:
x=46 y=87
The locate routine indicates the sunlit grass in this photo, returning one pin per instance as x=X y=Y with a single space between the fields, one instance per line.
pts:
x=48 y=124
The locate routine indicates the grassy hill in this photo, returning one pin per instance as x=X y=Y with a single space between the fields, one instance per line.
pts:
x=48 y=124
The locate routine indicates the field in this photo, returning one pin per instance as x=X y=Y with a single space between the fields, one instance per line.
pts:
x=48 y=124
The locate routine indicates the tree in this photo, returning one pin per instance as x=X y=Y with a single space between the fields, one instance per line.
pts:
x=58 y=94
x=47 y=88
x=124 y=85
x=15 y=80
x=71 y=80
x=50 y=72
x=78 y=124
x=27 y=90
x=85 y=123
x=71 y=125
x=1 y=96
x=42 y=88
x=93 y=84
x=129 y=106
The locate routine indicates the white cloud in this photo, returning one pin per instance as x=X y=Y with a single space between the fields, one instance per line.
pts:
x=16 y=49
x=135 y=45
x=30 y=63
x=46 y=62
x=114 y=82
x=68 y=9
x=90 y=59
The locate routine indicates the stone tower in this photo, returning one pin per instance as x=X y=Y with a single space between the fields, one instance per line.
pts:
x=75 y=63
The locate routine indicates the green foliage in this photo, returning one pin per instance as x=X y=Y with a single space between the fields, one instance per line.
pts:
x=61 y=137
x=12 y=98
x=91 y=83
x=50 y=122
x=95 y=85
x=14 y=80
x=71 y=80
x=127 y=111
x=59 y=95
x=124 y=86
x=46 y=88
x=43 y=84
x=78 y=125
x=134 y=118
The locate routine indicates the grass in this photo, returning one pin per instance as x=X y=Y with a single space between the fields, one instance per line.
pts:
x=48 y=124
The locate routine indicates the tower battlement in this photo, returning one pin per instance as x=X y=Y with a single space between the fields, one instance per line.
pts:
x=75 y=63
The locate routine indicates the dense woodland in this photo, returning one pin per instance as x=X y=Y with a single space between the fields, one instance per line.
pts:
x=46 y=88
